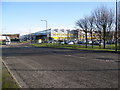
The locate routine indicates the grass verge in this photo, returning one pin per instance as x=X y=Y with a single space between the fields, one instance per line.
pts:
x=81 y=47
x=7 y=81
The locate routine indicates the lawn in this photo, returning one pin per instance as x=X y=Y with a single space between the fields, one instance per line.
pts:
x=82 y=47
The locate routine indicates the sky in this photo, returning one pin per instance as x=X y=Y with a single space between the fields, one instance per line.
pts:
x=23 y=17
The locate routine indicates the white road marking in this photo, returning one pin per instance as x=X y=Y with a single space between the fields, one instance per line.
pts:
x=81 y=57
x=68 y=55
x=75 y=56
x=10 y=57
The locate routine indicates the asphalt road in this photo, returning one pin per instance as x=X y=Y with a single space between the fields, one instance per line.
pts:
x=36 y=67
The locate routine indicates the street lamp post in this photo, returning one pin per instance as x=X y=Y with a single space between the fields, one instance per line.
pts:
x=46 y=29
x=30 y=36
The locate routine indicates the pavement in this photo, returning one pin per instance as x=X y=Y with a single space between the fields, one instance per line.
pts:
x=39 y=67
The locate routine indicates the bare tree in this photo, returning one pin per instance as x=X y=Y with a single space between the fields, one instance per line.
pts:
x=104 y=19
x=91 y=26
x=83 y=24
x=119 y=28
x=119 y=22
x=110 y=28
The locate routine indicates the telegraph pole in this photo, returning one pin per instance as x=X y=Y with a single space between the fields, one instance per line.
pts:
x=30 y=35
x=116 y=37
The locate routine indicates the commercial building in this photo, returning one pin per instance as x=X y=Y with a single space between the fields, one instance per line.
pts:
x=52 y=34
x=58 y=34
x=61 y=34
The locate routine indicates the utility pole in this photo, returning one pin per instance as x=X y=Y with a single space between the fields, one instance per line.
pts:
x=116 y=26
x=30 y=35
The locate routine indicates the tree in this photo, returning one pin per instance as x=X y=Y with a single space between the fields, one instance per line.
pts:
x=83 y=24
x=119 y=22
x=91 y=26
x=104 y=19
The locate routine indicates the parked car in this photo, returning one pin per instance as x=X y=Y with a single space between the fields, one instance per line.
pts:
x=119 y=41
x=96 y=43
x=66 y=41
x=110 y=42
x=62 y=42
x=75 y=41
x=90 y=42
x=84 y=42
x=80 y=42
x=54 y=41
x=71 y=43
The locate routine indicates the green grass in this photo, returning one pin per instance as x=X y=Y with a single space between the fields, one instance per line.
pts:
x=7 y=80
x=0 y=43
x=81 y=47
x=24 y=41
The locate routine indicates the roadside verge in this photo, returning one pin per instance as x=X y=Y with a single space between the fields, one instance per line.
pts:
x=8 y=79
x=75 y=47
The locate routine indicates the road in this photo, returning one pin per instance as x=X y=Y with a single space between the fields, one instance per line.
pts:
x=36 y=67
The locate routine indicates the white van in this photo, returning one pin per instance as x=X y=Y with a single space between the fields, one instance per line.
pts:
x=5 y=40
